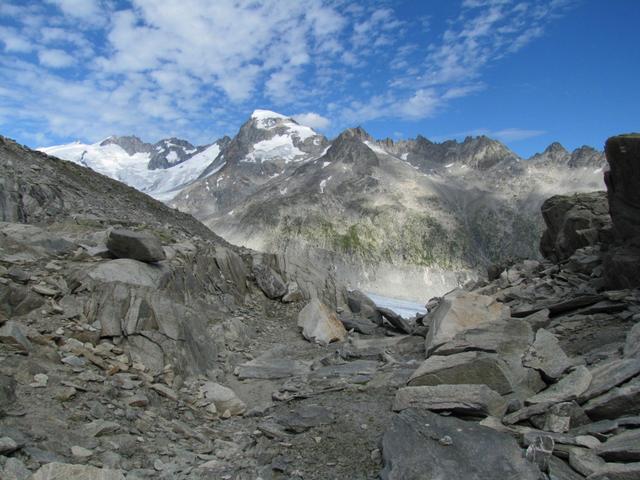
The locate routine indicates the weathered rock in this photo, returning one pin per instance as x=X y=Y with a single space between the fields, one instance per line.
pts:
x=359 y=324
x=232 y=267
x=619 y=401
x=473 y=400
x=610 y=374
x=632 y=344
x=14 y=469
x=136 y=245
x=623 y=178
x=294 y=294
x=464 y=368
x=165 y=391
x=621 y=265
x=624 y=447
x=573 y=221
x=13 y=335
x=395 y=320
x=320 y=324
x=98 y=428
x=7 y=392
x=585 y=462
x=559 y=470
x=65 y=471
x=540 y=451
x=617 y=471
x=130 y=272
x=423 y=445
x=273 y=365
x=305 y=417
x=459 y=311
x=362 y=305
x=7 y=445
x=18 y=275
x=224 y=398
x=547 y=356
x=568 y=388
x=269 y=281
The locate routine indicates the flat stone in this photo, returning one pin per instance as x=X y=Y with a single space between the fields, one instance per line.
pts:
x=304 y=418
x=44 y=290
x=81 y=452
x=585 y=462
x=547 y=356
x=7 y=445
x=396 y=320
x=13 y=335
x=136 y=245
x=617 y=471
x=319 y=324
x=98 y=428
x=610 y=374
x=624 y=447
x=421 y=445
x=65 y=471
x=224 y=398
x=128 y=271
x=273 y=365
x=619 y=401
x=165 y=391
x=14 y=469
x=527 y=412
x=138 y=400
x=568 y=388
x=473 y=400
x=459 y=311
x=559 y=470
x=464 y=368
x=362 y=325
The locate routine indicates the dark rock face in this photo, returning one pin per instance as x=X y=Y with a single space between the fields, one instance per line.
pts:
x=573 y=222
x=623 y=184
x=136 y=245
x=169 y=152
x=622 y=261
x=129 y=143
x=424 y=445
x=269 y=281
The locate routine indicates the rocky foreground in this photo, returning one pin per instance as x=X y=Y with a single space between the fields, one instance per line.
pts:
x=136 y=344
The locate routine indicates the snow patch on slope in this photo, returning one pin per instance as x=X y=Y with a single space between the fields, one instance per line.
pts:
x=113 y=161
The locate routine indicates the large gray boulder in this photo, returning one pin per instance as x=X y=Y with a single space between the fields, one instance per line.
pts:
x=472 y=400
x=475 y=368
x=363 y=306
x=573 y=221
x=320 y=324
x=547 y=356
x=137 y=245
x=130 y=272
x=459 y=311
x=421 y=445
x=623 y=178
x=619 y=401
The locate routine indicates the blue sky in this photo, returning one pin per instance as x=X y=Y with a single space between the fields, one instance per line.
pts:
x=524 y=72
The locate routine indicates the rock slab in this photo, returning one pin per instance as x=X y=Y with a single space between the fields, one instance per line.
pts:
x=136 y=245
x=423 y=445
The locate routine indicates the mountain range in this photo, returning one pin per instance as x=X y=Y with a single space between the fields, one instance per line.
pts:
x=381 y=212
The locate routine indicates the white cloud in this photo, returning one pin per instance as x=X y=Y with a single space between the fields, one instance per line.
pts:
x=55 y=58
x=87 y=10
x=14 y=41
x=313 y=120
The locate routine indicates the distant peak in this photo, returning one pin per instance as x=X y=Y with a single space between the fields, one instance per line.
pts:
x=358 y=133
x=262 y=114
x=555 y=147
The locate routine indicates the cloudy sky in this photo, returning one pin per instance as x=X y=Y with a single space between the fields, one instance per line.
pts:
x=525 y=72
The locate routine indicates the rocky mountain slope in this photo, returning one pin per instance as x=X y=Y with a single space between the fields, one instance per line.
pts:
x=135 y=344
x=433 y=212
x=379 y=211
